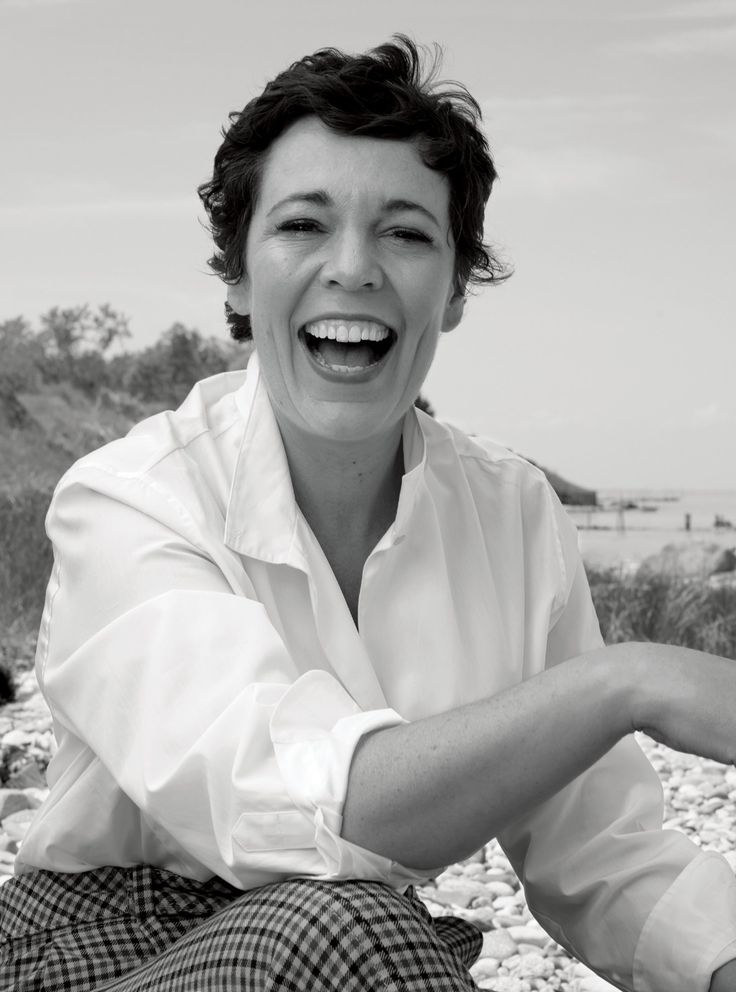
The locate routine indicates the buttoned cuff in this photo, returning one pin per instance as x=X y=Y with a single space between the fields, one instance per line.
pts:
x=691 y=931
x=315 y=729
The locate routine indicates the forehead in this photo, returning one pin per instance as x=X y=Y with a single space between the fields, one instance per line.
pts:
x=309 y=156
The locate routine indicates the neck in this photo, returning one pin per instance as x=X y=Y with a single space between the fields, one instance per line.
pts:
x=348 y=491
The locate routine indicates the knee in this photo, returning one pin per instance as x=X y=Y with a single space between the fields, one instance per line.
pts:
x=340 y=937
x=350 y=936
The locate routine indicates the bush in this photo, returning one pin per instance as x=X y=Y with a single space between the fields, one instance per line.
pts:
x=665 y=609
x=25 y=558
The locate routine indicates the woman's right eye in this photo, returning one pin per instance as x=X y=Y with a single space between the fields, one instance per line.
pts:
x=299 y=225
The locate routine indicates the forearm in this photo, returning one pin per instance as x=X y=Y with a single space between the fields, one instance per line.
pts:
x=724 y=979
x=429 y=793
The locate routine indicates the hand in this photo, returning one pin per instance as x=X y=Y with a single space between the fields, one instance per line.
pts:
x=724 y=980
x=682 y=698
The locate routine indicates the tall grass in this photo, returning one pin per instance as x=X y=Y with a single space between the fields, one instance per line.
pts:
x=667 y=609
x=25 y=565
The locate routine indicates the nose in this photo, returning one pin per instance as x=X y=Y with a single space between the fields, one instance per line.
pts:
x=350 y=262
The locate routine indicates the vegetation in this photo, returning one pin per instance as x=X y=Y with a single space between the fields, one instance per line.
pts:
x=66 y=386
x=668 y=609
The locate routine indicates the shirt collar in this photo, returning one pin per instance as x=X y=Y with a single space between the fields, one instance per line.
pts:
x=262 y=515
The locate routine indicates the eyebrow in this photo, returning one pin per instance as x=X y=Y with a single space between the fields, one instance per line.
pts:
x=321 y=198
x=394 y=206
x=316 y=196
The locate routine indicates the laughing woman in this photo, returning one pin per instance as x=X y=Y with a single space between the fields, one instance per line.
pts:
x=304 y=646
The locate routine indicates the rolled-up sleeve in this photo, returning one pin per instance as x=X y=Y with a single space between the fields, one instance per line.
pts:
x=187 y=695
x=640 y=905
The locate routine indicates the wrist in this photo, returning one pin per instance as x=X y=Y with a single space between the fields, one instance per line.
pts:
x=623 y=670
x=632 y=667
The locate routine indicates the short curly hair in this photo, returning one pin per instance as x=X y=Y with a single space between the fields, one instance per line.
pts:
x=382 y=93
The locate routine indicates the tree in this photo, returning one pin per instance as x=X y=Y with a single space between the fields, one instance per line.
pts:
x=69 y=331
x=75 y=341
x=22 y=357
x=165 y=372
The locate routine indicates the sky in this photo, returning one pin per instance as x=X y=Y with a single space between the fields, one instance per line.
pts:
x=610 y=354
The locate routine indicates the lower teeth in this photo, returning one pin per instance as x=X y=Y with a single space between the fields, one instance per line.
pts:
x=362 y=354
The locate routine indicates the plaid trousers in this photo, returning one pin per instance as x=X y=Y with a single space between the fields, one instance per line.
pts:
x=147 y=930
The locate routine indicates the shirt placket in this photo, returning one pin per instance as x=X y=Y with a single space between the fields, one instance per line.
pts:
x=341 y=643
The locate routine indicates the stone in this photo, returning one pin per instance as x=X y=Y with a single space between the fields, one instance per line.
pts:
x=497 y=889
x=7 y=843
x=507 y=920
x=475 y=870
x=28 y=775
x=498 y=875
x=534 y=965
x=528 y=948
x=453 y=897
x=509 y=983
x=463 y=884
x=12 y=800
x=484 y=968
x=17 y=738
x=529 y=933
x=498 y=944
x=479 y=916
x=35 y=795
x=16 y=825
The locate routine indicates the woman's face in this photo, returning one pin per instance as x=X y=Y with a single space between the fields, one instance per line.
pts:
x=349 y=265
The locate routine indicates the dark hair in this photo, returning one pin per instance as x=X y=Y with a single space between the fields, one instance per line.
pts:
x=383 y=93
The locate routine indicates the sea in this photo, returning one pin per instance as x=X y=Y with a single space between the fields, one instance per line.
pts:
x=629 y=525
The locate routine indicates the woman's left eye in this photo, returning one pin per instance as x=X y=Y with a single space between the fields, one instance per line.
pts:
x=411 y=234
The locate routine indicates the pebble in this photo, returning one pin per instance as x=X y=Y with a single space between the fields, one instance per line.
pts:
x=484 y=968
x=529 y=933
x=498 y=944
x=517 y=954
x=12 y=800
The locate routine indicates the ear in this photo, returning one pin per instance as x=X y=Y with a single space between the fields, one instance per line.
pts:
x=238 y=296
x=453 y=312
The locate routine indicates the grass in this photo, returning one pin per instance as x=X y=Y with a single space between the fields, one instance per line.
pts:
x=25 y=565
x=665 y=609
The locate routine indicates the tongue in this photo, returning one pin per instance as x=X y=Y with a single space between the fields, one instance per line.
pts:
x=353 y=355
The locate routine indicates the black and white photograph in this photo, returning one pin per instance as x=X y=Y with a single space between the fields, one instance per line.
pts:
x=367 y=496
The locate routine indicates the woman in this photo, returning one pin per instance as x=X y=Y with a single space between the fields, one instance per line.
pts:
x=304 y=646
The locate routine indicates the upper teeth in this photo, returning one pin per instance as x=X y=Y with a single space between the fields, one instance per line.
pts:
x=348 y=332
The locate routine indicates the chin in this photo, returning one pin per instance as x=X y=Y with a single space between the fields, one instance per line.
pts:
x=348 y=422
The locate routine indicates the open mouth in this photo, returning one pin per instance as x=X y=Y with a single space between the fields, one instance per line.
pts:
x=347 y=346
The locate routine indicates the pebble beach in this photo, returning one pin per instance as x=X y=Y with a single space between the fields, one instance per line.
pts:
x=517 y=956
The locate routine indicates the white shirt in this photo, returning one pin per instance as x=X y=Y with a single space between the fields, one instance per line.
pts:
x=209 y=686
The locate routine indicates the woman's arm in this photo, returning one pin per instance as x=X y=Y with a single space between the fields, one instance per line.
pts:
x=724 y=980
x=432 y=792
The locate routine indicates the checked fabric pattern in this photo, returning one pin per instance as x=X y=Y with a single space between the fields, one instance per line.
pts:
x=147 y=930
